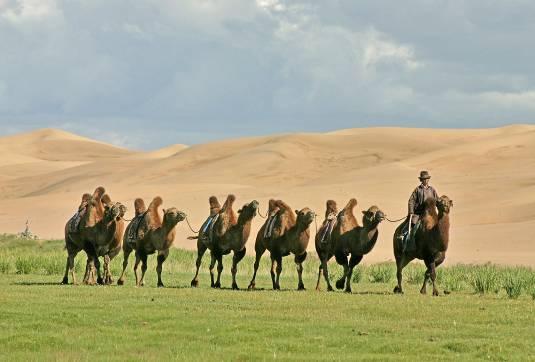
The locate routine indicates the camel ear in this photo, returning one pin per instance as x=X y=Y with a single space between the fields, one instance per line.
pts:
x=239 y=211
x=451 y=203
x=364 y=212
x=163 y=211
x=297 y=212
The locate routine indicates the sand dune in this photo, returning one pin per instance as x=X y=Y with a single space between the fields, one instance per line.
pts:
x=489 y=173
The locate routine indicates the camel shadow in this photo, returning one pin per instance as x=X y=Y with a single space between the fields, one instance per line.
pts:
x=37 y=283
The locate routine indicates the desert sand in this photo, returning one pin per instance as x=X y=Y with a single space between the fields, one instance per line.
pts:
x=488 y=173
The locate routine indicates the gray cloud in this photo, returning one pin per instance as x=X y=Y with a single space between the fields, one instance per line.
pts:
x=149 y=73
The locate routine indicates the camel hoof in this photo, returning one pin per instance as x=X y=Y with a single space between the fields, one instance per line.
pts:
x=235 y=286
x=397 y=290
x=301 y=287
x=217 y=285
x=100 y=281
x=330 y=289
x=120 y=282
x=348 y=291
x=160 y=285
x=340 y=284
x=251 y=286
x=435 y=293
x=65 y=281
x=423 y=291
x=194 y=283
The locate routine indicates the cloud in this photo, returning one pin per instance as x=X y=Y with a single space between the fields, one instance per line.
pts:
x=156 y=72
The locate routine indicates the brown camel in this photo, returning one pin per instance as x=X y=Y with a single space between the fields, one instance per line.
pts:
x=233 y=239
x=81 y=229
x=289 y=235
x=115 y=231
x=431 y=242
x=205 y=236
x=350 y=240
x=324 y=246
x=153 y=234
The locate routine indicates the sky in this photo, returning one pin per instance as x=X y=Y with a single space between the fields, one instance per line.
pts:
x=148 y=73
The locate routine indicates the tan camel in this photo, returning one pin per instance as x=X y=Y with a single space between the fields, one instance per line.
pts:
x=431 y=242
x=106 y=242
x=289 y=235
x=82 y=227
x=233 y=239
x=205 y=236
x=350 y=240
x=324 y=246
x=153 y=235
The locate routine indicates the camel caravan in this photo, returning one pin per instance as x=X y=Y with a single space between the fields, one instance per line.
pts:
x=99 y=229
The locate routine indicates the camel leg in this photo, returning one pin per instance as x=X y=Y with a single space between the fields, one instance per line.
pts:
x=212 y=266
x=126 y=254
x=69 y=267
x=107 y=273
x=238 y=256
x=353 y=262
x=136 y=264
x=401 y=263
x=143 y=268
x=272 y=272
x=319 y=276
x=219 y=270
x=259 y=254
x=201 y=249
x=342 y=260
x=326 y=275
x=162 y=255
x=100 y=280
x=426 y=277
x=299 y=259
x=438 y=260
x=87 y=273
x=279 y=271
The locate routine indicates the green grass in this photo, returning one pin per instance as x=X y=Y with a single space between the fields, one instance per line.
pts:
x=40 y=319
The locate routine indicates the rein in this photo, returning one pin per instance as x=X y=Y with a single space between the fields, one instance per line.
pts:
x=260 y=214
x=189 y=225
x=398 y=220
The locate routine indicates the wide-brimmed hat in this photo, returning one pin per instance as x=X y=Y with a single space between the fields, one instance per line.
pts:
x=424 y=175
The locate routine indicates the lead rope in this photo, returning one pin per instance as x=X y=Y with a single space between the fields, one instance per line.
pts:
x=398 y=220
x=260 y=214
x=189 y=225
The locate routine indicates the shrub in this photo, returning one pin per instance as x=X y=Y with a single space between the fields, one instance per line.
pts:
x=513 y=285
x=382 y=273
x=24 y=265
x=485 y=279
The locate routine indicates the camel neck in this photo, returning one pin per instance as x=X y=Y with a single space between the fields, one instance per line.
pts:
x=444 y=228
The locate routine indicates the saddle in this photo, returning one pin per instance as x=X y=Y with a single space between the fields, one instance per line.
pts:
x=328 y=229
x=408 y=239
x=268 y=232
x=207 y=229
x=73 y=225
x=133 y=231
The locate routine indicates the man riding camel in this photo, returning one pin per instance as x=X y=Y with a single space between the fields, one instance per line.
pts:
x=416 y=206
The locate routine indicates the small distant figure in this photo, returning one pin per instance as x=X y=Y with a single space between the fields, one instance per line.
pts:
x=416 y=207
x=27 y=234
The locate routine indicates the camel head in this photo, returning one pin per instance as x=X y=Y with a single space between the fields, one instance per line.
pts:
x=444 y=204
x=247 y=212
x=139 y=206
x=305 y=217
x=114 y=211
x=372 y=217
x=172 y=216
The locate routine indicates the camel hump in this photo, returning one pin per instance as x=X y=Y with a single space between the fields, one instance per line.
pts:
x=155 y=221
x=430 y=203
x=86 y=197
x=287 y=211
x=214 y=203
x=106 y=199
x=139 y=206
x=229 y=201
x=331 y=208
x=351 y=205
x=99 y=192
